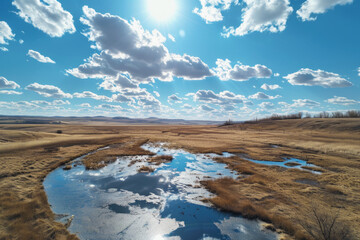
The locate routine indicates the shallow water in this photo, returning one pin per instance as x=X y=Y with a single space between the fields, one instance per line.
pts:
x=299 y=163
x=117 y=202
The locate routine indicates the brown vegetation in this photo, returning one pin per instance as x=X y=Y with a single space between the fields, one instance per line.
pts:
x=29 y=152
x=146 y=169
x=157 y=160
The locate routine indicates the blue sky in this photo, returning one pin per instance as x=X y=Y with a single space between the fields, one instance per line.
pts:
x=192 y=59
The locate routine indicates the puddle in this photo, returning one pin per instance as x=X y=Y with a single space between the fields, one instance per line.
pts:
x=287 y=163
x=117 y=202
x=274 y=146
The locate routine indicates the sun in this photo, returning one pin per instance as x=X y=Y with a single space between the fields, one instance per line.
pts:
x=162 y=10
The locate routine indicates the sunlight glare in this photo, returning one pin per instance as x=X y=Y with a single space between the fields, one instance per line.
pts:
x=162 y=10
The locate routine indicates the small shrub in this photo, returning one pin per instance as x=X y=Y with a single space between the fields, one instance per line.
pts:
x=326 y=225
x=59 y=131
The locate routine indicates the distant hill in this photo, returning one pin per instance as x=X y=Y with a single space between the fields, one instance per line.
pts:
x=5 y=119
x=328 y=124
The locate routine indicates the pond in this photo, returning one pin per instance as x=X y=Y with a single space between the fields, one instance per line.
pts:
x=287 y=163
x=118 y=202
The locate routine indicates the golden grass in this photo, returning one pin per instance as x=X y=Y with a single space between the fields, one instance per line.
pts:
x=29 y=152
x=157 y=160
x=146 y=169
x=127 y=147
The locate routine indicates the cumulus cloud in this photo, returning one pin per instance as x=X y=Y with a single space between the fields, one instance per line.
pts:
x=109 y=107
x=301 y=103
x=129 y=50
x=309 y=77
x=266 y=105
x=18 y=105
x=358 y=71
x=48 y=91
x=225 y=71
x=58 y=102
x=310 y=7
x=46 y=15
x=342 y=101
x=88 y=94
x=10 y=92
x=269 y=87
x=174 y=98
x=223 y=98
x=149 y=102
x=207 y=108
x=4 y=49
x=6 y=33
x=156 y=93
x=211 y=9
x=187 y=106
x=262 y=96
x=40 y=58
x=260 y=16
x=85 y=105
x=6 y=84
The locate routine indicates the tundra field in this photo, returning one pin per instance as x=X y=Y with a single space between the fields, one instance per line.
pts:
x=289 y=200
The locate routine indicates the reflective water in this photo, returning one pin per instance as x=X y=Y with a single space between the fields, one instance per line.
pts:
x=117 y=202
x=287 y=163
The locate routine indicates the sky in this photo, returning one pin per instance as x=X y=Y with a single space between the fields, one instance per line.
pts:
x=189 y=59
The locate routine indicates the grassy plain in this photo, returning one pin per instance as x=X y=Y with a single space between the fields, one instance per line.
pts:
x=284 y=197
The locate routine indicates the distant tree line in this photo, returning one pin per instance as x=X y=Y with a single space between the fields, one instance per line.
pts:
x=300 y=115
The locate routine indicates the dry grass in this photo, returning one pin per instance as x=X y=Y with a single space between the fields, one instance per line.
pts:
x=126 y=148
x=157 y=160
x=146 y=169
x=29 y=152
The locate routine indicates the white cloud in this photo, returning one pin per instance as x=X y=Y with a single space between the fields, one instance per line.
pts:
x=18 y=105
x=6 y=33
x=261 y=95
x=171 y=37
x=267 y=105
x=48 y=91
x=149 y=103
x=358 y=71
x=4 y=49
x=10 y=92
x=269 y=87
x=223 y=98
x=88 y=94
x=301 y=103
x=187 y=106
x=310 y=7
x=240 y=72
x=86 y=105
x=260 y=16
x=129 y=50
x=157 y=94
x=211 y=9
x=37 y=56
x=342 y=101
x=58 y=102
x=6 y=84
x=109 y=107
x=174 y=98
x=207 y=108
x=46 y=15
x=309 y=77
x=21 y=41
x=276 y=74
